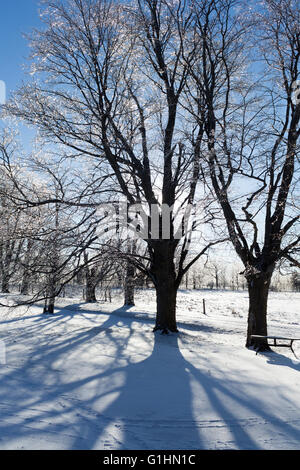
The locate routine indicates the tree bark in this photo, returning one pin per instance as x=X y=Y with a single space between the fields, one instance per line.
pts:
x=90 y=281
x=51 y=295
x=258 y=289
x=129 y=285
x=49 y=305
x=25 y=285
x=26 y=273
x=90 y=291
x=164 y=276
x=166 y=293
x=5 y=285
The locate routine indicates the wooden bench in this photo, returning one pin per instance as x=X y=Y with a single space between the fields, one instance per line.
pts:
x=275 y=341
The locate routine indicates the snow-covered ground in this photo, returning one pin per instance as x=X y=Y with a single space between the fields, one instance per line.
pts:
x=94 y=376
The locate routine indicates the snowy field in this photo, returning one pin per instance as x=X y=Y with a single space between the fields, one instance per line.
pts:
x=94 y=376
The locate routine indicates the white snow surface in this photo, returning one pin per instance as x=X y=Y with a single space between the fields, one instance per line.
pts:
x=95 y=376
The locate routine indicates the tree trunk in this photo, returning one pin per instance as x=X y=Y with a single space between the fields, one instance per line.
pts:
x=217 y=279
x=90 y=281
x=5 y=285
x=49 y=305
x=129 y=285
x=51 y=294
x=166 y=293
x=25 y=284
x=258 y=288
x=26 y=272
x=163 y=269
x=90 y=291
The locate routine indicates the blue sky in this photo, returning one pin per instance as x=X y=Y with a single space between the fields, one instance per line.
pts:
x=16 y=17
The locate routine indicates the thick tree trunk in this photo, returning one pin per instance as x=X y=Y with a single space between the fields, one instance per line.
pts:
x=49 y=305
x=129 y=285
x=5 y=285
x=166 y=293
x=90 y=291
x=26 y=272
x=25 y=284
x=90 y=281
x=258 y=288
x=166 y=286
x=50 y=294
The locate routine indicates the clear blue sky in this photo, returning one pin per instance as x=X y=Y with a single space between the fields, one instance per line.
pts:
x=16 y=17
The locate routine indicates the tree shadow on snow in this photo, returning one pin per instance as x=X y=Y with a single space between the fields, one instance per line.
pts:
x=275 y=358
x=129 y=401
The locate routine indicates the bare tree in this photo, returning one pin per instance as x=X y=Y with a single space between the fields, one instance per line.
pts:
x=252 y=132
x=129 y=277
x=16 y=226
x=98 y=268
x=113 y=96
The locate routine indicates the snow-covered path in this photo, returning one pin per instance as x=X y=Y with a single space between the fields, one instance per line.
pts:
x=96 y=377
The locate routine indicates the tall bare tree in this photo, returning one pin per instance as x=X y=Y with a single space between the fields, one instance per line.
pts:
x=251 y=117
x=110 y=91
